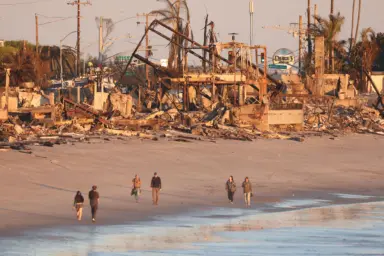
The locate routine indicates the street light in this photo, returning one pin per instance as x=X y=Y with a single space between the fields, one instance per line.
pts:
x=99 y=82
x=61 y=57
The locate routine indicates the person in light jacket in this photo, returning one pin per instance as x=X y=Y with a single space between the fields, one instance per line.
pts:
x=136 y=187
x=247 y=189
x=78 y=205
x=230 y=186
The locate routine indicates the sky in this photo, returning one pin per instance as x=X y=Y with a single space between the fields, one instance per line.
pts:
x=17 y=21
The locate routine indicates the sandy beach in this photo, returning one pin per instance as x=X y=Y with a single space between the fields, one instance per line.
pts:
x=37 y=190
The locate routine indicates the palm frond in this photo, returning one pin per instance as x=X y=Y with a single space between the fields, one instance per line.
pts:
x=170 y=5
x=164 y=13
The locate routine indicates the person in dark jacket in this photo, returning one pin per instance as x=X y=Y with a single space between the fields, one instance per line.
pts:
x=78 y=205
x=156 y=187
x=247 y=189
x=230 y=186
x=94 y=201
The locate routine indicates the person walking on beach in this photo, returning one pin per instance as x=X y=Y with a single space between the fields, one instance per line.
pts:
x=94 y=201
x=78 y=205
x=247 y=188
x=136 y=185
x=156 y=187
x=230 y=186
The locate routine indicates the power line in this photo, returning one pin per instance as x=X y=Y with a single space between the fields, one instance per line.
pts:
x=50 y=17
x=124 y=20
x=25 y=3
x=54 y=21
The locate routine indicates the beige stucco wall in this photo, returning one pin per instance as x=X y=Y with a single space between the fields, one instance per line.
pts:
x=292 y=116
x=378 y=79
x=330 y=82
x=12 y=102
x=100 y=98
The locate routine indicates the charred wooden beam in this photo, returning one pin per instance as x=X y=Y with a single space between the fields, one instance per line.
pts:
x=193 y=42
x=188 y=49
x=87 y=110
x=155 y=66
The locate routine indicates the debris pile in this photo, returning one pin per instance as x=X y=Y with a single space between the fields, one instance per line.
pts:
x=342 y=119
x=77 y=122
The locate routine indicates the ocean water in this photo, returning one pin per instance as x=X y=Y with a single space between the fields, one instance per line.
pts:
x=297 y=227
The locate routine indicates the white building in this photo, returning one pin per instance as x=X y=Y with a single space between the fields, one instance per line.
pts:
x=378 y=79
x=164 y=63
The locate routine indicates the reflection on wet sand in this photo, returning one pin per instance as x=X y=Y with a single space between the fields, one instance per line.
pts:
x=194 y=232
x=346 y=216
x=330 y=216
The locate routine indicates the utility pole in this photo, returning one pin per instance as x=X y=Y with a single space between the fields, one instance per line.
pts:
x=78 y=3
x=101 y=41
x=205 y=44
x=251 y=11
x=146 y=15
x=37 y=34
x=7 y=79
x=179 y=28
x=37 y=62
x=333 y=38
x=315 y=14
x=309 y=30
x=300 y=42
x=147 y=51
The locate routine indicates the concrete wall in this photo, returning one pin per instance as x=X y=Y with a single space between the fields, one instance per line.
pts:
x=378 y=79
x=32 y=99
x=253 y=114
x=263 y=118
x=99 y=100
x=358 y=102
x=3 y=114
x=122 y=103
x=328 y=84
x=12 y=102
x=287 y=117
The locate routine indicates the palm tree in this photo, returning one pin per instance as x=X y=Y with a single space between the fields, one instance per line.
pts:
x=175 y=13
x=51 y=54
x=370 y=48
x=358 y=22
x=352 y=26
x=329 y=28
x=362 y=56
x=108 y=28
x=22 y=66
x=353 y=20
x=26 y=67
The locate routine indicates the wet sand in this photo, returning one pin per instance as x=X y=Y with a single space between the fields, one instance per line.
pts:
x=37 y=190
x=325 y=229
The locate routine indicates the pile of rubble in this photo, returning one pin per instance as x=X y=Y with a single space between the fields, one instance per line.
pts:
x=340 y=119
x=123 y=121
x=18 y=135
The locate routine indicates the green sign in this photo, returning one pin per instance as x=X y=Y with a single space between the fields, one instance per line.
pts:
x=129 y=73
x=123 y=58
x=277 y=66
